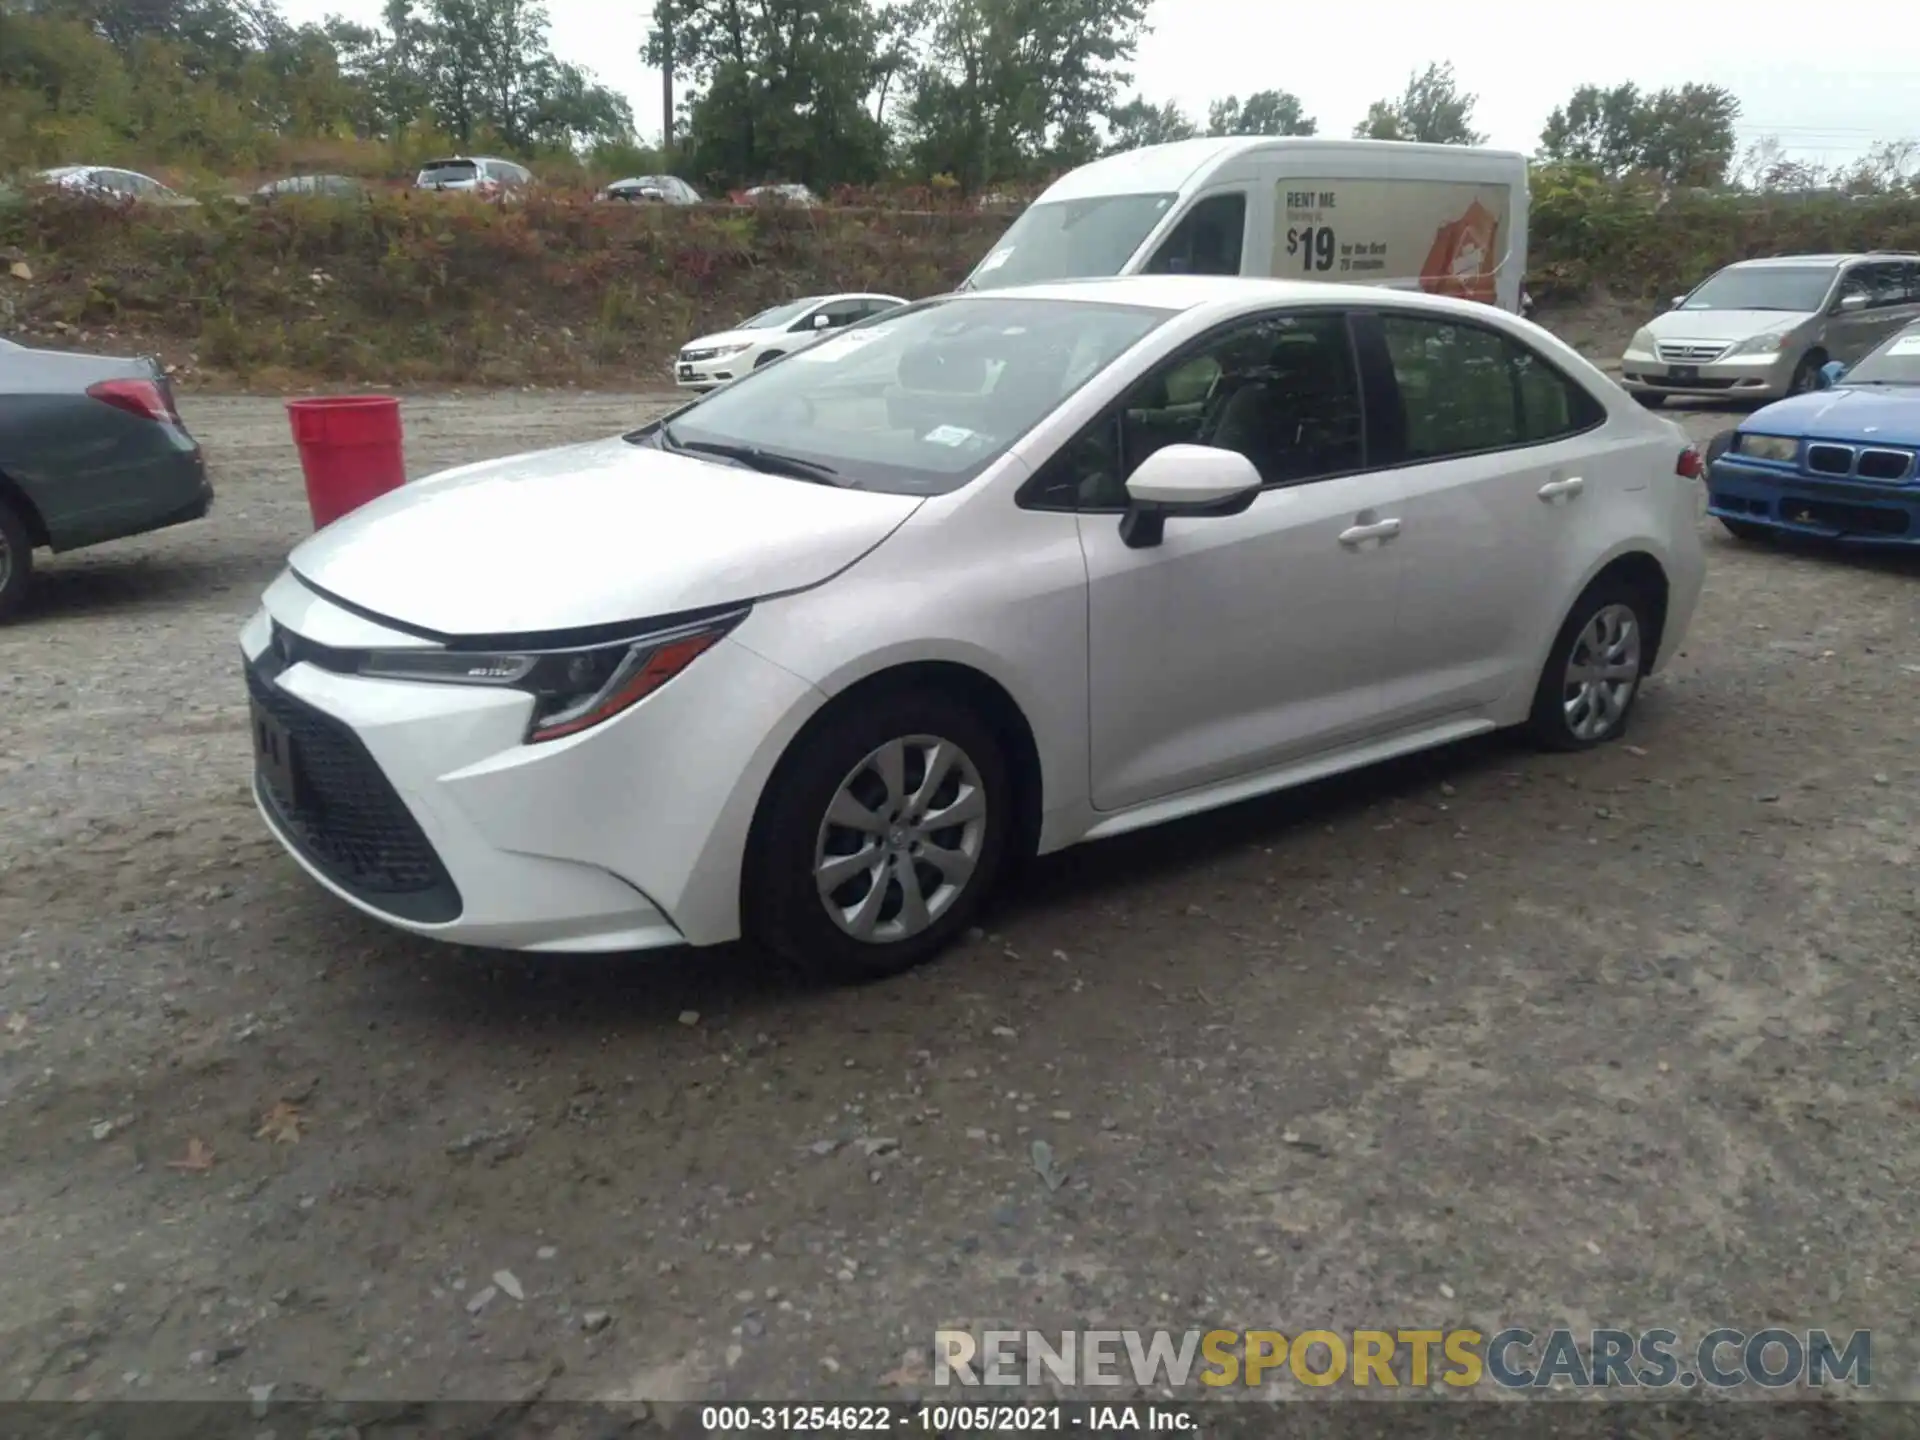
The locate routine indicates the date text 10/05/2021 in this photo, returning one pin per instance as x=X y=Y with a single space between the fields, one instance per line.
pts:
x=947 y=1419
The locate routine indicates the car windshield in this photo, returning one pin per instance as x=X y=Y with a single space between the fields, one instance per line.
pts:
x=447 y=172
x=1895 y=363
x=1071 y=240
x=918 y=401
x=780 y=314
x=1801 y=289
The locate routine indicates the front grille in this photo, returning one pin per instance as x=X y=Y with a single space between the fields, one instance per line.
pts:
x=1830 y=459
x=1884 y=465
x=348 y=820
x=1691 y=352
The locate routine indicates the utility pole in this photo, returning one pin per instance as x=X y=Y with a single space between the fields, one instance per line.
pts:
x=663 y=19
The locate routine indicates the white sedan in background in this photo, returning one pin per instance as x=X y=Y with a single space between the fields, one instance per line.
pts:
x=813 y=659
x=713 y=360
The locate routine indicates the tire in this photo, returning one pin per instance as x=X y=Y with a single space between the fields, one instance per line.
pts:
x=833 y=763
x=16 y=560
x=1652 y=399
x=1806 y=375
x=768 y=358
x=1556 y=723
x=1747 y=531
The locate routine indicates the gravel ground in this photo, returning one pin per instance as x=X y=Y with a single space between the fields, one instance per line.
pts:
x=1482 y=1038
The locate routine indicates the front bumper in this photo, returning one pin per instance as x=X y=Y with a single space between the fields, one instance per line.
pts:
x=421 y=805
x=1781 y=499
x=1742 y=377
x=712 y=373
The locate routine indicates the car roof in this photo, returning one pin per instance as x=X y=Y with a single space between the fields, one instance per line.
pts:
x=1195 y=292
x=1803 y=260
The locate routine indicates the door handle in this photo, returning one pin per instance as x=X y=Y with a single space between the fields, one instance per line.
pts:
x=1357 y=535
x=1566 y=489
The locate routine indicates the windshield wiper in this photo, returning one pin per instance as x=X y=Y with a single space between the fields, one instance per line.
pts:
x=755 y=457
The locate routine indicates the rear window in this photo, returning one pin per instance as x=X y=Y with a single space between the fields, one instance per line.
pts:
x=446 y=172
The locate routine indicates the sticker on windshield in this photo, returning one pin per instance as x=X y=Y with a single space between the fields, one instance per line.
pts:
x=950 y=435
x=841 y=346
x=996 y=260
x=1905 y=345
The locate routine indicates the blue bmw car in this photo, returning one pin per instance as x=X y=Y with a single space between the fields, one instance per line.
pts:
x=1836 y=463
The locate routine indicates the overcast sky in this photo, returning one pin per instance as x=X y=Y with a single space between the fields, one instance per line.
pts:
x=1826 y=95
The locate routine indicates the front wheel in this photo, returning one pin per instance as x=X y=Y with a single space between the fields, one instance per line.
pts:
x=767 y=359
x=1806 y=375
x=16 y=560
x=1593 y=672
x=881 y=834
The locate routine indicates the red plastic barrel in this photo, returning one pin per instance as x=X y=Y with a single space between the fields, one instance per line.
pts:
x=350 y=451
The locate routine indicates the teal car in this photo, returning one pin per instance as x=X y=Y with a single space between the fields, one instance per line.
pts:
x=92 y=449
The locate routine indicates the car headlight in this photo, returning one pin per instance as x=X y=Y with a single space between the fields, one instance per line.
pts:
x=1644 y=343
x=573 y=689
x=1767 y=344
x=720 y=352
x=1766 y=447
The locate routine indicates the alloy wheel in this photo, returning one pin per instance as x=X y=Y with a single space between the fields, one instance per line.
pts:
x=901 y=839
x=1602 y=670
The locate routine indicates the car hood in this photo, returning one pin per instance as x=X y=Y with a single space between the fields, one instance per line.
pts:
x=594 y=534
x=1722 y=324
x=727 y=337
x=1866 y=415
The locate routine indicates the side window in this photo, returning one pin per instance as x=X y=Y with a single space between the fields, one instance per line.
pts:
x=1464 y=389
x=1855 y=281
x=1887 y=286
x=1283 y=391
x=1207 y=242
x=841 y=313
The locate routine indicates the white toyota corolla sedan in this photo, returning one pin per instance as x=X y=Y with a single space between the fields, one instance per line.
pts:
x=813 y=659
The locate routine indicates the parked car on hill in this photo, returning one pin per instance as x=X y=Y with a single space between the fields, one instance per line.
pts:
x=1838 y=463
x=652 y=189
x=1761 y=329
x=482 y=175
x=778 y=195
x=338 y=187
x=113 y=186
x=91 y=449
x=715 y=359
x=815 y=657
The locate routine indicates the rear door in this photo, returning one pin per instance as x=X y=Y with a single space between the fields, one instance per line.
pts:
x=1494 y=472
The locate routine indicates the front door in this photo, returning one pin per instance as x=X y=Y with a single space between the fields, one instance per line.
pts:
x=1244 y=641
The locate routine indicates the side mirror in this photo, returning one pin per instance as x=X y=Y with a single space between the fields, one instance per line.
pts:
x=1677 y=302
x=1832 y=373
x=1185 y=480
x=822 y=321
x=1850 y=304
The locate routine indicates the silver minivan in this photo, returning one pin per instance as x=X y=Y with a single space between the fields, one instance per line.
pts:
x=1761 y=329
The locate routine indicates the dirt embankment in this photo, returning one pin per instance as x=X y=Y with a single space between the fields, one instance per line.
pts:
x=402 y=289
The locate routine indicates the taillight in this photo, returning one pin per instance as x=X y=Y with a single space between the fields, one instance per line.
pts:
x=1690 y=466
x=149 y=399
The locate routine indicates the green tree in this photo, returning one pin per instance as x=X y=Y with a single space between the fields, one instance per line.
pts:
x=1141 y=122
x=1009 y=87
x=782 y=88
x=1680 y=136
x=1432 y=109
x=1265 y=112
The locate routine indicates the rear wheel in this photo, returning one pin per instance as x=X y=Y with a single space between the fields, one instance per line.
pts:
x=16 y=560
x=882 y=832
x=1593 y=672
